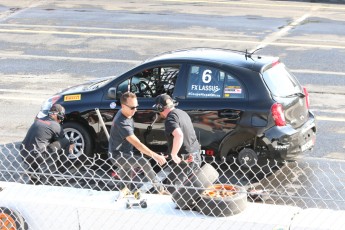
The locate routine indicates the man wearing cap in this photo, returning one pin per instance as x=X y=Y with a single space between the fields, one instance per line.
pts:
x=181 y=137
x=121 y=142
x=45 y=139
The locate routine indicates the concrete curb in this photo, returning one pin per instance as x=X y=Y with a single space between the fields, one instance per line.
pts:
x=47 y=207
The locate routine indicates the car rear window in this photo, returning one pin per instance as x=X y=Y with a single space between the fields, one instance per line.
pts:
x=280 y=81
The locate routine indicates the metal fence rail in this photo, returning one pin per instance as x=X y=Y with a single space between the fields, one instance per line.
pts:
x=218 y=189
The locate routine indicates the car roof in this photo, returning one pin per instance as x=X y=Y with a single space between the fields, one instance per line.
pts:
x=218 y=56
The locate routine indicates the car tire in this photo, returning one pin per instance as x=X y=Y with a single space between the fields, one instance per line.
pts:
x=11 y=219
x=222 y=206
x=82 y=138
x=184 y=197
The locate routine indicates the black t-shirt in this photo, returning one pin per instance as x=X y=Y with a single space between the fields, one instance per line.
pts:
x=121 y=128
x=41 y=133
x=180 y=119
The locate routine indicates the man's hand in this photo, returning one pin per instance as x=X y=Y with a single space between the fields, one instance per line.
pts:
x=161 y=160
x=71 y=148
x=176 y=159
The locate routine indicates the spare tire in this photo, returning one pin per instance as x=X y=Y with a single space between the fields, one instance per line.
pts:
x=185 y=197
x=222 y=200
x=10 y=219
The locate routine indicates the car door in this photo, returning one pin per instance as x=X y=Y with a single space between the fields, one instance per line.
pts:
x=147 y=83
x=214 y=100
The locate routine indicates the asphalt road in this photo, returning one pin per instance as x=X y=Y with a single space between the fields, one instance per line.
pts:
x=49 y=45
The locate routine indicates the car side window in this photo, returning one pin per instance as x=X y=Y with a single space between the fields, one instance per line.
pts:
x=151 y=82
x=209 y=82
x=232 y=88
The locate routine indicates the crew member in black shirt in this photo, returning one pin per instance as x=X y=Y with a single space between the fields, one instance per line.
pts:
x=45 y=139
x=121 y=142
x=182 y=141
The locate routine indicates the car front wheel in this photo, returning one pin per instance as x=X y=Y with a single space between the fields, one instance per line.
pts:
x=81 y=138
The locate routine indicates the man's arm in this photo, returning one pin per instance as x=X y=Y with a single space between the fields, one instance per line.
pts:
x=177 y=143
x=59 y=135
x=144 y=149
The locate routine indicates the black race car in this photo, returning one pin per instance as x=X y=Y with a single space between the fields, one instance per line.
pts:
x=242 y=105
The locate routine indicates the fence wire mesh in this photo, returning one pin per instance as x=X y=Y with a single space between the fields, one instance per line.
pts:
x=215 y=190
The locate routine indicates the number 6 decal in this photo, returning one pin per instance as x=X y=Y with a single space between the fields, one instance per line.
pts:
x=206 y=76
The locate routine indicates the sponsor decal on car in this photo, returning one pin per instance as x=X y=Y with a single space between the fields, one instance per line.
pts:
x=204 y=83
x=74 y=97
x=112 y=105
x=208 y=152
x=233 y=89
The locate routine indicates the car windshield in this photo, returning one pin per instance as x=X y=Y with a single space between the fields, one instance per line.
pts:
x=280 y=81
x=96 y=85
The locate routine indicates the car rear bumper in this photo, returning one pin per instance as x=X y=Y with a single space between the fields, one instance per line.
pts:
x=287 y=142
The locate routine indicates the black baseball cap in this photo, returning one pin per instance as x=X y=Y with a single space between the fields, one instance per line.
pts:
x=162 y=100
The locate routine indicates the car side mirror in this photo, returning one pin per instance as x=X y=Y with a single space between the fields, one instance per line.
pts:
x=112 y=93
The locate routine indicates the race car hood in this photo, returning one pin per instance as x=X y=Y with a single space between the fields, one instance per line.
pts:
x=88 y=86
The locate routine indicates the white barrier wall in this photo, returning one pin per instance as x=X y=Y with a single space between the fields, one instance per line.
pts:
x=269 y=195
x=47 y=207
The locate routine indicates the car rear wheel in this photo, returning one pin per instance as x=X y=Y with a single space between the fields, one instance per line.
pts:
x=82 y=139
x=247 y=158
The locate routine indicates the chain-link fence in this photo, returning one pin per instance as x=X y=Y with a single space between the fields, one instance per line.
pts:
x=136 y=189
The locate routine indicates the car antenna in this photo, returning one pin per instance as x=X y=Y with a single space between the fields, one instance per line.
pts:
x=249 y=54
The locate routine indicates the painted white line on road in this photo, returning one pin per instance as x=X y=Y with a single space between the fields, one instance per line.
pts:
x=64 y=58
x=270 y=39
x=9 y=98
x=324 y=118
x=315 y=40
x=25 y=91
x=121 y=35
x=304 y=45
x=317 y=72
x=276 y=5
x=13 y=12
x=146 y=31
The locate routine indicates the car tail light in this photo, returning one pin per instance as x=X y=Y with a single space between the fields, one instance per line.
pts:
x=306 y=94
x=275 y=63
x=278 y=114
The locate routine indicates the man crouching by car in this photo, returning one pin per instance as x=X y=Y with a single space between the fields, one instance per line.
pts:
x=46 y=140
